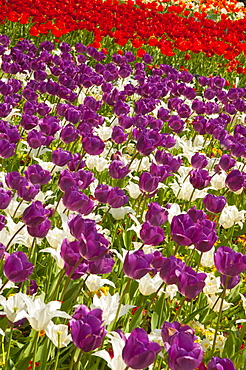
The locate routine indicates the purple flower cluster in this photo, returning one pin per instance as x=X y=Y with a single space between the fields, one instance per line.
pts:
x=88 y=253
x=87 y=328
x=230 y=265
x=189 y=282
x=183 y=351
x=194 y=228
x=36 y=219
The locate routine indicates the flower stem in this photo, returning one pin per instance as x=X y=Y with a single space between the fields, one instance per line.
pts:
x=58 y=351
x=151 y=302
x=16 y=233
x=219 y=315
x=78 y=360
x=179 y=309
x=120 y=303
x=9 y=346
x=72 y=358
x=35 y=349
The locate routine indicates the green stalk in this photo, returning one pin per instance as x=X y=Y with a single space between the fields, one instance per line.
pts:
x=35 y=348
x=78 y=360
x=9 y=345
x=219 y=315
x=58 y=350
x=151 y=302
x=120 y=303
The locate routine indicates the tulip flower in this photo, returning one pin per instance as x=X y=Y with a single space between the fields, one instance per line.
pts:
x=86 y=328
x=228 y=262
x=139 y=352
x=220 y=363
x=17 y=267
x=40 y=314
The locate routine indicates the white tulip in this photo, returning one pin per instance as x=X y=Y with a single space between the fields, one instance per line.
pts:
x=212 y=284
x=119 y=213
x=211 y=301
x=149 y=285
x=95 y=282
x=58 y=334
x=133 y=190
x=14 y=307
x=109 y=305
x=40 y=314
x=207 y=259
x=230 y=216
x=117 y=362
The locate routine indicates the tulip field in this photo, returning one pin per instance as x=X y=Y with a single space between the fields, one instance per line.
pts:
x=122 y=185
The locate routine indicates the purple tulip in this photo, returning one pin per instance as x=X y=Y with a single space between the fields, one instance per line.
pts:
x=102 y=266
x=7 y=149
x=220 y=363
x=84 y=179
x=190 y=282
x=2 y=251
x=159 y=171
x=228 y=262
x=199 y=161
x=188 y=357
x=36 y=139
x=148 y=183
x=156 y=215
x=146 y=143
x=117 y=170
x=60 y=157
x=49 y=125
x=206 y=239
x=234 y=180
x=93 y=145
x=73 y=199
x=70 y=252
x=101 y=193
x=229 y=282
x=176 y=124
x=32 y=287
x=81 y=228
x=184 y=231
x=171 y=330
x=27 y=190
x=36 y=175
x=13 y=179
x=69 y=134
x=167 y=159
x=35 y=214
x=118 y=135
x=139 y=352
x=170 y=266
x=213 y=203
x=94 y=247
x=5 y=198
x=151 y=235
x=199 y=179
x=137 y=264
x=116 y=197
x=2 y=222
x=67 y=180
x=17 y=268
x=41 y=230
x=86 y=328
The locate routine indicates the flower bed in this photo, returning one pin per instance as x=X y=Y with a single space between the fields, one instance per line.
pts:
x=122 y=220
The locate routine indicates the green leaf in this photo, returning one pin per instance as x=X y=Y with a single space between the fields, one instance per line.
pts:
x=193 y=314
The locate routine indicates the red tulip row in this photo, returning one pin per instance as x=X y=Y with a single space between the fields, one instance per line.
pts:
x=165 y=26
